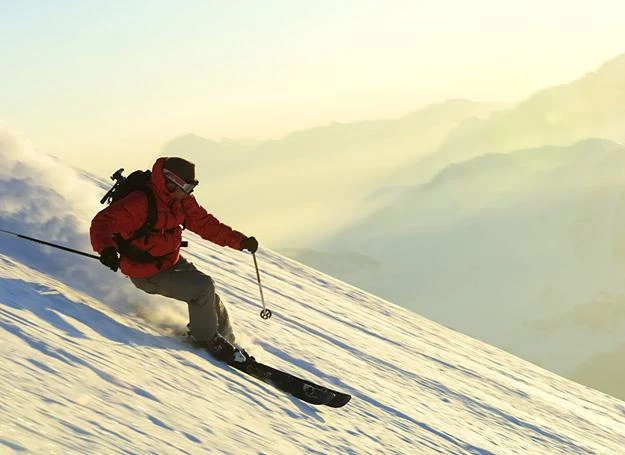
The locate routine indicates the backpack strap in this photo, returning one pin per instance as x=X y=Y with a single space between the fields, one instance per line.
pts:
x=150 y=220
x=132 y=252
x=124 y=245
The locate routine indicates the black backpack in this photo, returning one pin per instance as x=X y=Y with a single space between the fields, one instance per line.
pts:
x=136 y=181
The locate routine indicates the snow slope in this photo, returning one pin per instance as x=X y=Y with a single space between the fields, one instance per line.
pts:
x=81 y=378
x=89 y=365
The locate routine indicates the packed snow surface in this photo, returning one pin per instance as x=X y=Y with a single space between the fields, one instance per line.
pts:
x=80 y=377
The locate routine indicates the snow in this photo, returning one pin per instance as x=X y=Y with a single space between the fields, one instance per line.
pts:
x=80 y=377
x=91 y=365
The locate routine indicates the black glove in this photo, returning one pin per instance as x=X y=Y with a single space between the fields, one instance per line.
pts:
x=110 y=258
x=250 y=244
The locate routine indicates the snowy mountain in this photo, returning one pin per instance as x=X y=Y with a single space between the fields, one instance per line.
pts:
x=523 y=250
x=329 y=177
x=592 y=106
x=319 y=177
x=90 y=366
x=519 y=214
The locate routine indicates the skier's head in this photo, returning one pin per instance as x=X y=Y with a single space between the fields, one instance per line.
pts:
x=179 y=177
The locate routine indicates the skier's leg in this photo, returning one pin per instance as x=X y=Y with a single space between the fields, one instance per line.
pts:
x=204 y=322
x=225 y=329
x=184 y=282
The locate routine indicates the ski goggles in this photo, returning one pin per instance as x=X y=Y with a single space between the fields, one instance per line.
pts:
x=185 y=186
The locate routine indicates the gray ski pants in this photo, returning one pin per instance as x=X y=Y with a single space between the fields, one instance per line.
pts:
x=207 y=313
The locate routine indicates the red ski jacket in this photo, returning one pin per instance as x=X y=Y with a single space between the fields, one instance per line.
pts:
x=127 y=215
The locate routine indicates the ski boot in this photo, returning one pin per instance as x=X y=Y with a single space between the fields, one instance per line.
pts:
x=223 y=350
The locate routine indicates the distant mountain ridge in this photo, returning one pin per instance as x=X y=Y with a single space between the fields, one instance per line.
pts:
x=496 y=245
x=592 y=106
x=319 y=176
x=356 y=168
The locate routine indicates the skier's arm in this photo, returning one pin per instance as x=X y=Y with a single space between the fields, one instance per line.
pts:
x=198 y=220
x=126 y=215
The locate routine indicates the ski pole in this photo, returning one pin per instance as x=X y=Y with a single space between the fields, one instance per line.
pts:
x=265 y=313
x=60 y=247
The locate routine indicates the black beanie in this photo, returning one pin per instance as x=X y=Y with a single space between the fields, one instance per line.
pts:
x=182 y=168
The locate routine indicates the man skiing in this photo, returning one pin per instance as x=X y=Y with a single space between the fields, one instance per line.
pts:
x=153 y=262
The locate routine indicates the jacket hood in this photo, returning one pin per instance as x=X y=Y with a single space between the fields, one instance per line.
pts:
x=158 y=180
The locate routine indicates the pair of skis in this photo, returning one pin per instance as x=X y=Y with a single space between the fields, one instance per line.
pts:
x=302 y=389
x=297 y=387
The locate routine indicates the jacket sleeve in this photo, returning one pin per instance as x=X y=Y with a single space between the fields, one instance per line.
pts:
x=198 y=220
x=125 y=215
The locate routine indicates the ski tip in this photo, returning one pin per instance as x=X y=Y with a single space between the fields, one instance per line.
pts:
x=339 y=400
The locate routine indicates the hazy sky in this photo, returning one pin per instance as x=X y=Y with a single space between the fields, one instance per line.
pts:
x=85 y=79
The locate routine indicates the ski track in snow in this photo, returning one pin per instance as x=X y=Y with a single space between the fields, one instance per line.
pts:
x=80 y=378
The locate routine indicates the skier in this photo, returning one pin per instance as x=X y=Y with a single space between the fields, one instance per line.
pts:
x=153 y=262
